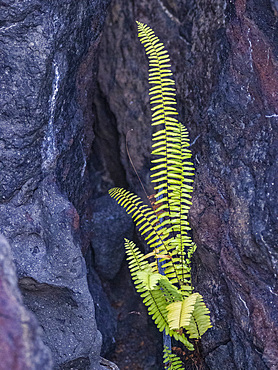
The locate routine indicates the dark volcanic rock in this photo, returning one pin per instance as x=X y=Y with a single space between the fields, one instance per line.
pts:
x=224 y=58
x=111 y=225
x=235 y=209
x=52 y=271
x=48 y=62
x=106 y=316
x=20 y=335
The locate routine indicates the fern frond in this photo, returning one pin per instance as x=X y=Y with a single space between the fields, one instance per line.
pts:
x=156 y=303
x=136 y=260
x=148 y=278
x=172 y=172
x=143 y=216
x=170 y=291
x=153 y=296
x=179 y=313
x=200 y=319
x=162 y=99
x=191 y=314
x=171 y=361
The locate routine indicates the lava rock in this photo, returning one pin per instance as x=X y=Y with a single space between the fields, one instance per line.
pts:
x=224 y=60
x=52 y=272
x=106 y=316
x=48 y=63
x=111 y=224
x=21 y=346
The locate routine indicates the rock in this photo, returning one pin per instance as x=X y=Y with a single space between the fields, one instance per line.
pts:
x=111 y=225
x=52 y=272
x=21 y=346
x=106 y=316
x=224 y=60
x=223 y=353
x=48 y=61
x=235 y=187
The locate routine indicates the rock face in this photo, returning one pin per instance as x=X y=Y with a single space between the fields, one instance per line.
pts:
x=110 y=226
x=236 y=194
x=224 y=59
x=21 y=344
x=48 y=62
x=53 y=181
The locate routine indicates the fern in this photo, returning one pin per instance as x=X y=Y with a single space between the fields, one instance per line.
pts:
x=169 y=297
x=171 y=361
x=155 y=301
x=200 y=320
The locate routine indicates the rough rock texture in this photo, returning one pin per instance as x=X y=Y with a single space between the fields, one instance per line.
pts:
x=20 y=335
x=48 y=64
x=235 y=213
x=110 y=226
x=106 y=316
x=224 y=58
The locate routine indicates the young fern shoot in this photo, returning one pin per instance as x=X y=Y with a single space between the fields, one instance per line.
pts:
x=168 y=296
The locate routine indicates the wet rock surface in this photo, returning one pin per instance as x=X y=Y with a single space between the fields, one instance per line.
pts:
x=20 y=334
x=224 y=59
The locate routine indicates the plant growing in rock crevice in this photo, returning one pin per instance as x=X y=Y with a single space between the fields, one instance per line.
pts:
x=163 y=277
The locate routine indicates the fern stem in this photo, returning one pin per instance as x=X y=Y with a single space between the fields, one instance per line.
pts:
x=166 y=337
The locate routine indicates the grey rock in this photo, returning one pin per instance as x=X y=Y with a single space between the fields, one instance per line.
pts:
x=220 y=358
x=106 y=316
x=52 y=272
x=48 y=62
x=111 y=225
x=21 y=345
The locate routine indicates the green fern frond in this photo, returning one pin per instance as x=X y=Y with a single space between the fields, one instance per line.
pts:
x=156 y=303
x=155 y=235
x=170 y=291
x=162 y=99
x=200 y=319
x=143 y=216
x=171 y=361
x=153 y=296
x=191 y=314
x=171 y=169
x=148 y=278
x=136 y=263
x=179 y=313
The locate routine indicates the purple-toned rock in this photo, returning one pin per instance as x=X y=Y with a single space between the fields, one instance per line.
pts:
x=48 y=63
x=21 y=346
x=224 y=59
